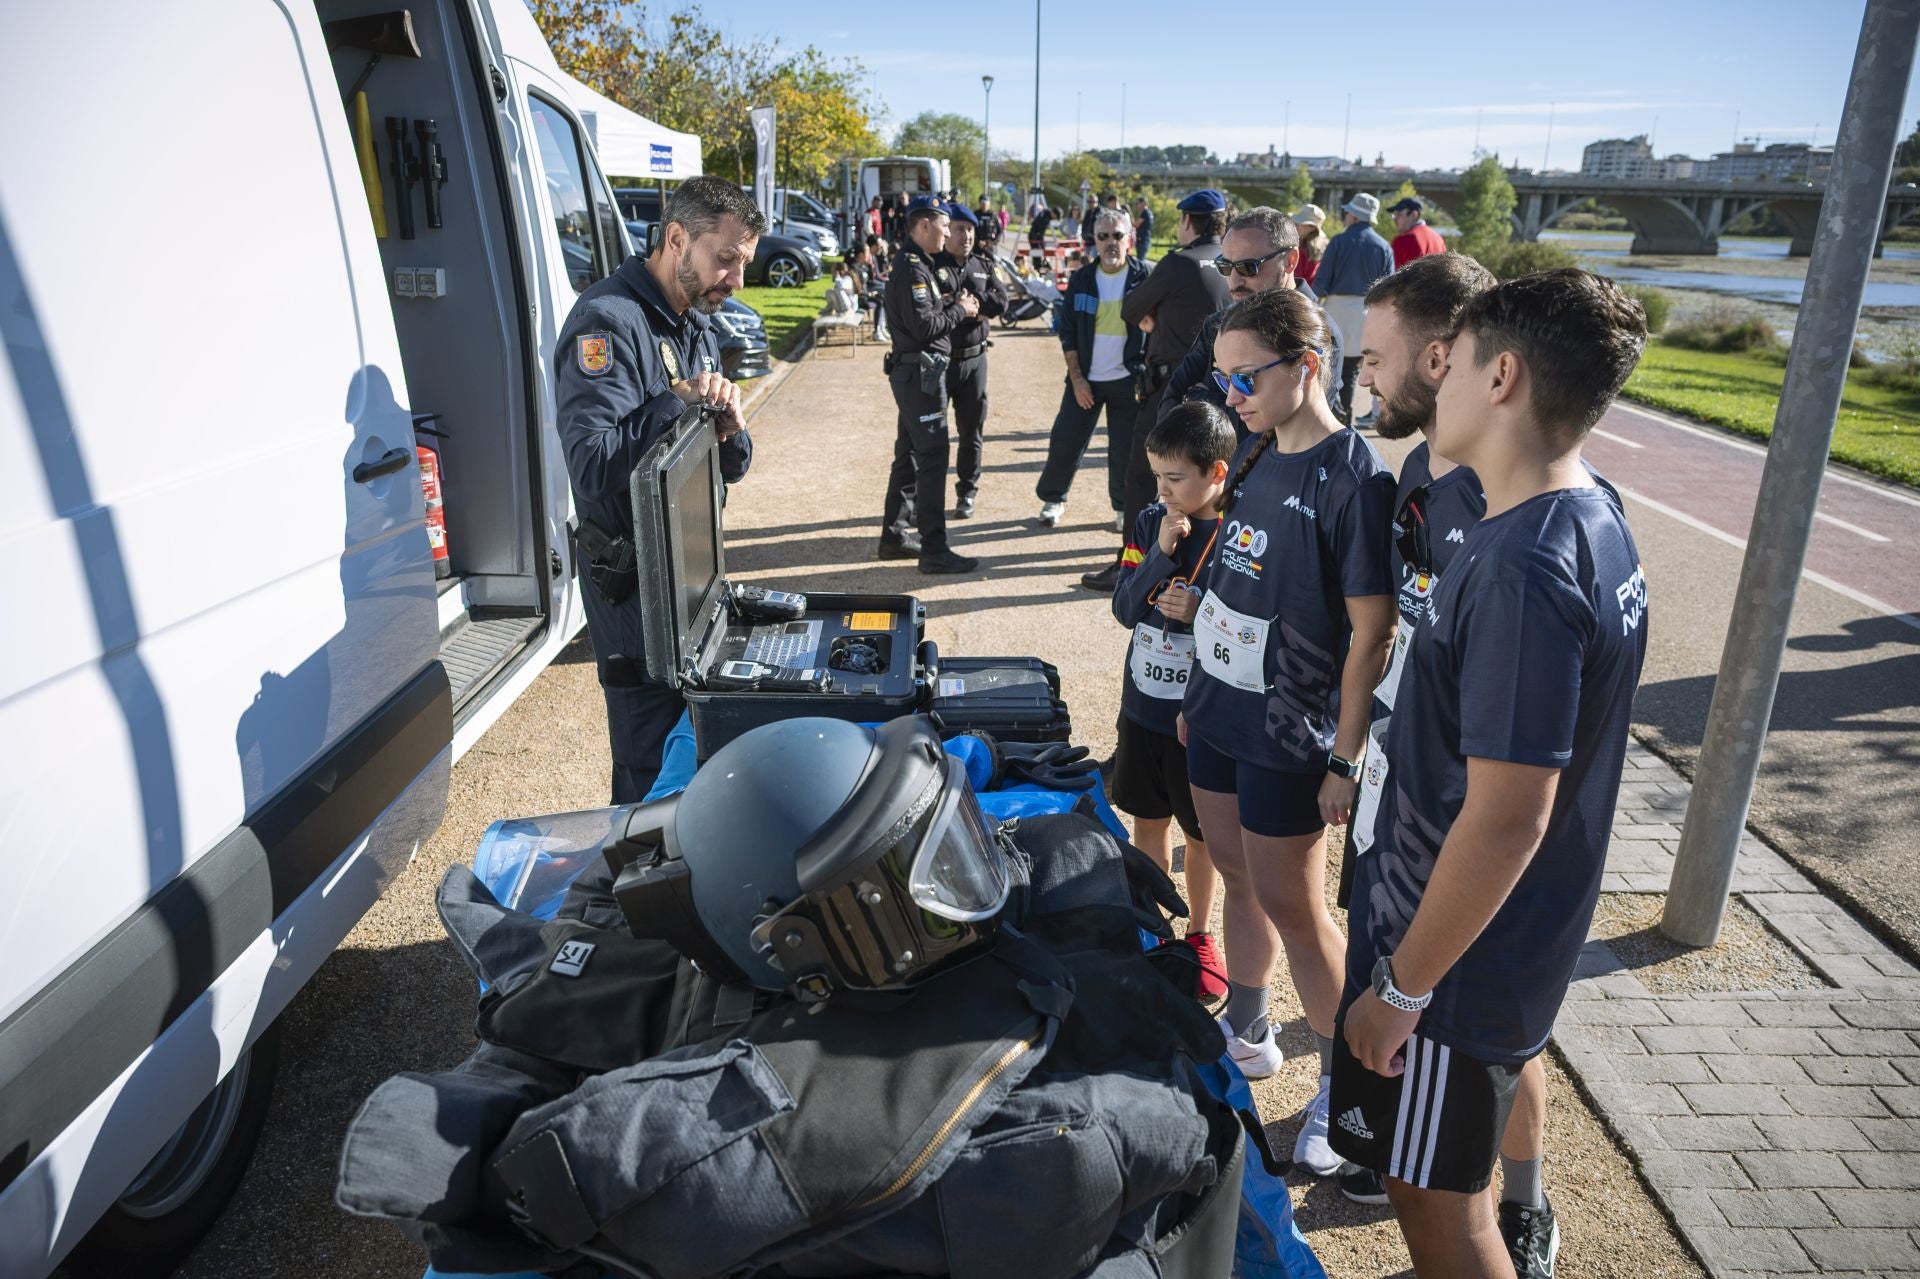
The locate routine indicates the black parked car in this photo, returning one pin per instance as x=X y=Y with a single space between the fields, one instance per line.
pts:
x=744 y=354
x=780 y=261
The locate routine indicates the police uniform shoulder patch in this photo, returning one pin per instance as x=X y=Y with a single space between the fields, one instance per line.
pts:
x=595 y=353
x=670 y=359
x=921 y=292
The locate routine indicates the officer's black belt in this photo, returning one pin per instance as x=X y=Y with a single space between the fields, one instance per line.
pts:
x=968 y=352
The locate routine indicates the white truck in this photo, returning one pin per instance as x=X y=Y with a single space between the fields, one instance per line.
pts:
x=888 y=175
x=232 y=684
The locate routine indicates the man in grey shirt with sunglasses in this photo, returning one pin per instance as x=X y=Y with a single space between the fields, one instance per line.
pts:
x=1257 y=254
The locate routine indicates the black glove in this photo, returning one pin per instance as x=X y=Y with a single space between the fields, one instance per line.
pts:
x=1054 y=765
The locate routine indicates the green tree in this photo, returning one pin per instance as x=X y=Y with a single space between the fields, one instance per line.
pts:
x=1383 y=221
x=1299 y=189
x=957 y=139
x=1063 y=176
x=1486 y=207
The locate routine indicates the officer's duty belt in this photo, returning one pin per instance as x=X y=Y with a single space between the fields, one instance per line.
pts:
x=968 y=352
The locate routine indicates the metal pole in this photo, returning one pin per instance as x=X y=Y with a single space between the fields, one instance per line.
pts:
x=1036 y=99
x=986 y=142
x=1546 y=157
x=1850 y=218
x=1346 y=128
x=1286 y=130
x=1123 y=124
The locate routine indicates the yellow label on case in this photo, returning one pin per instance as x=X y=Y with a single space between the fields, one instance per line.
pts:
x=869 y=621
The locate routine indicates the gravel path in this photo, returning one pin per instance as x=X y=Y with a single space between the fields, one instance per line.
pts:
x=395 y=997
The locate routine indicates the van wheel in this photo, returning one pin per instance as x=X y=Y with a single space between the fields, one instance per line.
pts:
x=186 y=1186
x=784 y=271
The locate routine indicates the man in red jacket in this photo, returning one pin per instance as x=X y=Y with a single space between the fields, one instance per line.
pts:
x=1416 y=238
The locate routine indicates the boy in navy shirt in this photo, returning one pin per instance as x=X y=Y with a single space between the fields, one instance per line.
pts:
x=1503 y=761
x=1154 y=594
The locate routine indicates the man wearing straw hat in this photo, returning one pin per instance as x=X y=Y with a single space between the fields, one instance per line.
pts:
x=1354 y=260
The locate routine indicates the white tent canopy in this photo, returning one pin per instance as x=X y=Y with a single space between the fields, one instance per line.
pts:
x=629 y=144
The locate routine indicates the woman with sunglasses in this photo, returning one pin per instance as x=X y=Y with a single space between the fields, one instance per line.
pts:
x=1293 y=629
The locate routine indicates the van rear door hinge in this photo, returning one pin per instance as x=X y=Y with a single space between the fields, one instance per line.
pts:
x=555 y=565
x=499 y=83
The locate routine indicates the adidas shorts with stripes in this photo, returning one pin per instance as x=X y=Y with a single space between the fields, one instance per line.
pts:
x=1438 y=1126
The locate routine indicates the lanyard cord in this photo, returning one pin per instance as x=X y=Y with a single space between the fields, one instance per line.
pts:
x=1153 y=600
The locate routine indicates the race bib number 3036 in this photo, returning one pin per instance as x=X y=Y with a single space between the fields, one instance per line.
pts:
x=1160 y=662
x=1231 y=646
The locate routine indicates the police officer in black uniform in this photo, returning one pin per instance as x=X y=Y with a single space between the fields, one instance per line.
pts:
x=636 y=350
x=1184 y=289
x=969 y=261
x=925 y=304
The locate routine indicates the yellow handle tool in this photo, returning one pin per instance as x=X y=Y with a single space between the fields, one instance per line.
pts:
x=369 y=164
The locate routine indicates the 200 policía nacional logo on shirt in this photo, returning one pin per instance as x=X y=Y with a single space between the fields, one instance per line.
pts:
x=1241 y=546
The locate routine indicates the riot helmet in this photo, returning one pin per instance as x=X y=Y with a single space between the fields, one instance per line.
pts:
x=812 y=855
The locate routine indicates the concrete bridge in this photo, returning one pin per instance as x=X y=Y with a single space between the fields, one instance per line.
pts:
x=1677 y=217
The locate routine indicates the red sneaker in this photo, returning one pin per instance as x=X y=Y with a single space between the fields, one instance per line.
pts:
x=1213 y=966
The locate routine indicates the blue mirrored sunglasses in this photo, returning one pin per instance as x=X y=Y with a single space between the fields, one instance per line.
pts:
x=1243 y=382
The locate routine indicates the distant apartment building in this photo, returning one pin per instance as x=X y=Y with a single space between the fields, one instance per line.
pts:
x=1777 y=162
x=1628 y=159
x=1677 y=168
x=1274 y=159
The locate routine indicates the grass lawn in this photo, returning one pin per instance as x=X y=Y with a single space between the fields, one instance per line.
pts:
x=788 y=312
x=1878 y=429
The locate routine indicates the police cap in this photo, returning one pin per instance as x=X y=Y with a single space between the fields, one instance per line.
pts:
x=1407 y=205
x=961 y=213
x=1205 y=200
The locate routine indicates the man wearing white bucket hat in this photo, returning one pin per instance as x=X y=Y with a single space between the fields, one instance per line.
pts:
x=1354 y=260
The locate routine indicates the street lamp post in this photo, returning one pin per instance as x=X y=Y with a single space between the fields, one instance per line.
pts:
x=986 y=143
x=1036 y=98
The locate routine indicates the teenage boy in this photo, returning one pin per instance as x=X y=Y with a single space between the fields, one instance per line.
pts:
x=1503 y=764
x=1189 y=450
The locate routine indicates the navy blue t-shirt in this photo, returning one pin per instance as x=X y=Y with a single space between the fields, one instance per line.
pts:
x=1305 y=532
x=1528 y=653
x=1145 y=569
x=1436 y=526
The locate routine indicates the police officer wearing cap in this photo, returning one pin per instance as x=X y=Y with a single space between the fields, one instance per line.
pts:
x=970 y=261
x=635 y=352
x=925 y=305
x=1184 y=289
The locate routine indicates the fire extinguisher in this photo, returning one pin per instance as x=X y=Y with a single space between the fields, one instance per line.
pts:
x=432 y=485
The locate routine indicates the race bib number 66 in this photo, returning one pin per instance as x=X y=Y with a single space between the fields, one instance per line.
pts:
x=1231 y=646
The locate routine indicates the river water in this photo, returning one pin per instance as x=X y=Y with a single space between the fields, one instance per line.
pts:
x=1761 y=288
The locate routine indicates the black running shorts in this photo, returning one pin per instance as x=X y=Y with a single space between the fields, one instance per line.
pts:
x=1438 y=1126
x=1150 y=777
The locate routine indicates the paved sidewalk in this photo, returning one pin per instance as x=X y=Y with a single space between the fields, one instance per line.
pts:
x=1780 y=1128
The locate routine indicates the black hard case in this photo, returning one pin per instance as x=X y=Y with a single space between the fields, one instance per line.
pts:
x=1016 y=699
x=688 y=629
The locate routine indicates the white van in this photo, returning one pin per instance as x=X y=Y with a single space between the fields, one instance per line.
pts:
x=231 y=687
x=888 y=175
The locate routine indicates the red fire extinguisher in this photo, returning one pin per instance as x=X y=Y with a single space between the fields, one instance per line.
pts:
x=432 y=487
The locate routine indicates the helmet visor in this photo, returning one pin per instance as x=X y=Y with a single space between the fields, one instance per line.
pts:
x=959 y=872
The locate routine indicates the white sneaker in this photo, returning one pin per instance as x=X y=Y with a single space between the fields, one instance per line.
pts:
x=1259 y=1059
x=1310 y=1149
x=1051 y=512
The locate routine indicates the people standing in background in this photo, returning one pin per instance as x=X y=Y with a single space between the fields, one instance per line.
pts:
x=1142 y=228
x=1416 y=238
x=1353 y=261
x=1310 y=218
x=970 y=265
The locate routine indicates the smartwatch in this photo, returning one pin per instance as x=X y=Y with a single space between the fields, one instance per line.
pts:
x=1342 y=767
x=1391 y=995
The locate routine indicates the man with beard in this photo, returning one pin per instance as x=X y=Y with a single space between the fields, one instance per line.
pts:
x=1411 y=317
x=636 y=350
x=1183 y=289
x=1258 y=253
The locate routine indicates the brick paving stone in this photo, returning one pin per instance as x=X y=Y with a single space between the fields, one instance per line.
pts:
x=1799 y=1014
x=1619 y=1040
x=1693 y=1170
x=1874 y=1209
x=1617 y=1012
x=1777 y=1041
x=1728 y=1247
x=1903 y=1101
x=1886 y=1134
x=1854 y=1070
x=1803 y=1132
x=1886 y=1251
x=1892 y=965
x=1668 y=1068
x=1868 y=1043
x=1892 y=1014
x=1791 y=1209
x=1694 y=1207
x=1639 y=1099
x=1909 y=1067
x=1796 y=1169
x=1736 y=1099
x=1882 y=1171
x=1817 y=1099
x=1709 y=1012
x=1690 y=1039
x=1716 y=1133
x=1756 y=1070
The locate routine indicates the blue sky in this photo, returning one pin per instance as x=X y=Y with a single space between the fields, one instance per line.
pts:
x=1419 y=74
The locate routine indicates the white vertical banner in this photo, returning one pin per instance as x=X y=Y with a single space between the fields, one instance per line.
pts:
x=763 y=154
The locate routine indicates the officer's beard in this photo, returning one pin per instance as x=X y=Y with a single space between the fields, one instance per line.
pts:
x=706 y=301
x=1407 y=409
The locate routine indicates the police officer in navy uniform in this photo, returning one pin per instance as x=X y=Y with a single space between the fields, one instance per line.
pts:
x=1184 y=289
x=925 y=304
x=636 y=350
x=970 y=261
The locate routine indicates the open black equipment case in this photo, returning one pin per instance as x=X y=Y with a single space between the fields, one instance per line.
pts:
x=692 y=623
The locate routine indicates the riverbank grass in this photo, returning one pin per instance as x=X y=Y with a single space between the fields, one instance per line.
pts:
x=1878 y=428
